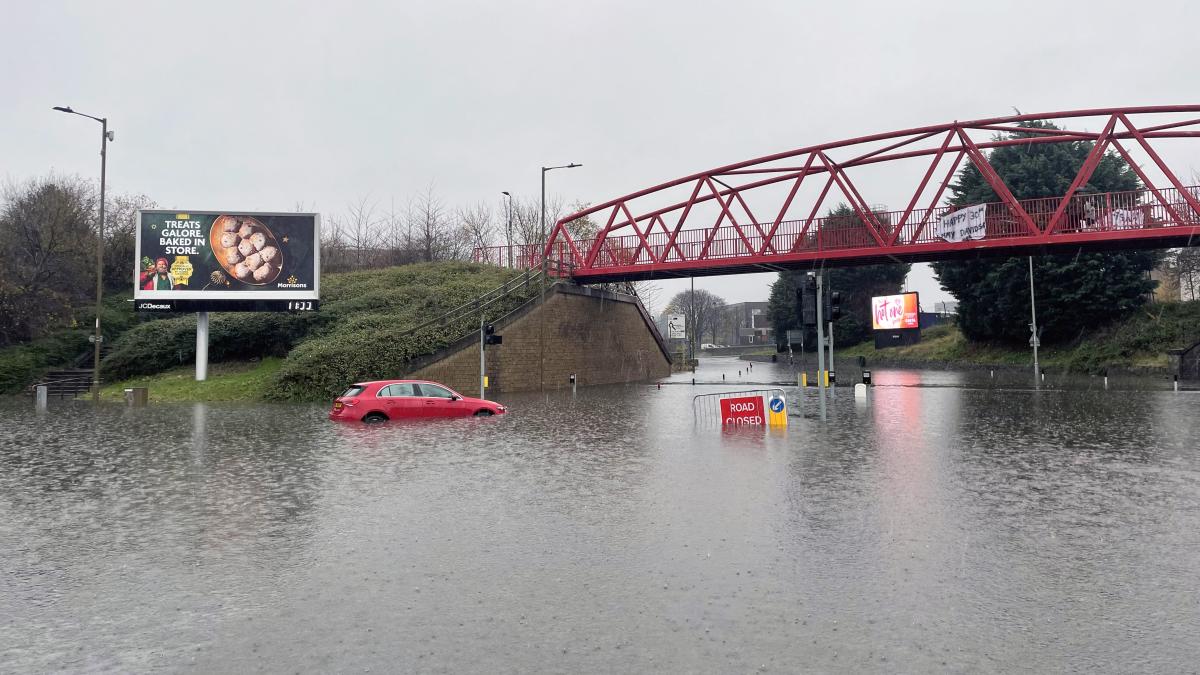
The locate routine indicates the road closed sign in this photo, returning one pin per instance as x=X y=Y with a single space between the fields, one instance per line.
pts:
x=745 y=411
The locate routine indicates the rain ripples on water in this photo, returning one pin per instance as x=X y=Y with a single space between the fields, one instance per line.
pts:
x=954 y=522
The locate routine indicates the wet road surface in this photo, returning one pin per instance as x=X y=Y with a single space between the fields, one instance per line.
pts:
x=951 y=523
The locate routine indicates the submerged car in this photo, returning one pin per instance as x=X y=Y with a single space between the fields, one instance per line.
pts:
x=383 y=400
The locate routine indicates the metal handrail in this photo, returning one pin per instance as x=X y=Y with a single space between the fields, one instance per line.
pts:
x=478 y=303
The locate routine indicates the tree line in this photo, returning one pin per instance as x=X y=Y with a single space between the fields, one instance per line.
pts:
x=49 y=229
x=1075 y=292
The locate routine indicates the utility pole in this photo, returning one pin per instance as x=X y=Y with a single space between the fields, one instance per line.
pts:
x=692 y=322
x=821 y=340
x=1035 y=340
x=833 y=388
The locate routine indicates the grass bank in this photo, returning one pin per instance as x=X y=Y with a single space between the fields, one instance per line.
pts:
x=1139 y=343
x=1136 y=344
x=364 y=329
x=230 y=381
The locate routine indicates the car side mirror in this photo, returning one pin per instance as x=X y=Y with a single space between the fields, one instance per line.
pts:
x=455 y=398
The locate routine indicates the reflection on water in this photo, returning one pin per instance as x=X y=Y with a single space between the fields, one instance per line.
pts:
x=950 y=522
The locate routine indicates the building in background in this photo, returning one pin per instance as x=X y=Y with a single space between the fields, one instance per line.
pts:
x=746 y=323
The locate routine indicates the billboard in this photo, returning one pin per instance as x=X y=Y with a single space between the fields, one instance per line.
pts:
x=226 y=260
x=895 y=312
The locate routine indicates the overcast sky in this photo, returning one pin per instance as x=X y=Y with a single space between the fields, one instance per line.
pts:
x=266 y=105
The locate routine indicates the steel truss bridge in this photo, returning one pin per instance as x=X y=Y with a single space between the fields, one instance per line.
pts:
x=763 y=214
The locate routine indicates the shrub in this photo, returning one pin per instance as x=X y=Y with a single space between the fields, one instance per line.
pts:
x=356 y=308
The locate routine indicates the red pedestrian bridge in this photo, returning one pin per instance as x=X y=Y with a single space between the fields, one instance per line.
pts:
x=763 y=214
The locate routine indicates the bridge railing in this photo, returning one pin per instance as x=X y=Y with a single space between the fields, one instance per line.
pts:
x=1135 y=209
x=1102 y=212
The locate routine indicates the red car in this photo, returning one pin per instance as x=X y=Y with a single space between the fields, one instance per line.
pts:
x=383 y=400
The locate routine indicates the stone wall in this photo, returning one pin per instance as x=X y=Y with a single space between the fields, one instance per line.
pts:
x=1184 y=363
x=601 y=337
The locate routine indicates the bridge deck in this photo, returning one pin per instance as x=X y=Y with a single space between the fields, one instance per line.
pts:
x=1135 y=219
x=658 y=232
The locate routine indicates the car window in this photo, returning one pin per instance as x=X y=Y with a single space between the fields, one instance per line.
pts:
x=353 y=391
x=405 y=389
x=435 y=391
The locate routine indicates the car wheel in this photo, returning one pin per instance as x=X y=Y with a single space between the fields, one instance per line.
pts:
x=374 y=418
x=484 y=413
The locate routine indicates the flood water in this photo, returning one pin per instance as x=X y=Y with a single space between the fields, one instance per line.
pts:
x=952 y=522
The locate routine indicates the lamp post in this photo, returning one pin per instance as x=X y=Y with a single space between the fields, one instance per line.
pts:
x=542 y=243
x=545 y=271
x=105 y=137
x=508 y=226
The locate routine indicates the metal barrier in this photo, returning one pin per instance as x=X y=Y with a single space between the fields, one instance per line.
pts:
x=706 y=408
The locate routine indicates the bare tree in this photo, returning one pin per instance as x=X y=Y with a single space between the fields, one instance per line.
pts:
x=47 y=243
x=120 y=232
x=428 y=221
x=527 y=214
x=361 y=230
x=476 y=224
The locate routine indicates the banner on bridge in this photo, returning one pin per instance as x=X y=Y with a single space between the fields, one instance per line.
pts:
x=963 y=224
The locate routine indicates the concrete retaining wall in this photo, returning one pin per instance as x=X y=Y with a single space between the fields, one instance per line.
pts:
x=602 y=337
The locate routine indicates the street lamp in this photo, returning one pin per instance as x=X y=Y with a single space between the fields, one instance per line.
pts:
x=105 y=137
x=542 y=243
x=545 y=272
x=508 y=226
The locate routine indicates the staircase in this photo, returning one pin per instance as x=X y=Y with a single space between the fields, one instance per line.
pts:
x=66 y=383
x=73 y=381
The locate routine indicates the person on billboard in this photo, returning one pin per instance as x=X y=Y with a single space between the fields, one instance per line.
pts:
x=157 y=277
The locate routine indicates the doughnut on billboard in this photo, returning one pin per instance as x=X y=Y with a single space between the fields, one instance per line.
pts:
x=226 y=261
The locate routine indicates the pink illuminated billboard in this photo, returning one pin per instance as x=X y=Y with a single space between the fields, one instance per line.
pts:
x=895 y=312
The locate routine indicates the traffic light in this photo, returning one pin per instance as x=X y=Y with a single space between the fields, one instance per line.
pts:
x=490 y=337
x=806 y=299
x=833 y=306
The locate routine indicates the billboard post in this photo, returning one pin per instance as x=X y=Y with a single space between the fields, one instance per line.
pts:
x=201 y=346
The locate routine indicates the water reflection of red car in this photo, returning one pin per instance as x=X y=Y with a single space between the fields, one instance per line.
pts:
x=383 y=400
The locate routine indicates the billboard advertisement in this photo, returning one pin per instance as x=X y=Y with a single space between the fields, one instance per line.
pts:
x=895 y=312
x=226 y=260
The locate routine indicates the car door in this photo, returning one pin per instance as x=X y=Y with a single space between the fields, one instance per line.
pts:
x=440 y=401
x=400 y=401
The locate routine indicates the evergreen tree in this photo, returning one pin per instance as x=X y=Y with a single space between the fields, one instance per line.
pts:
x=856 y=284
x=1074 y=291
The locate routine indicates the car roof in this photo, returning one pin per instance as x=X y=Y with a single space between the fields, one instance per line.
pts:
x=371 y=382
